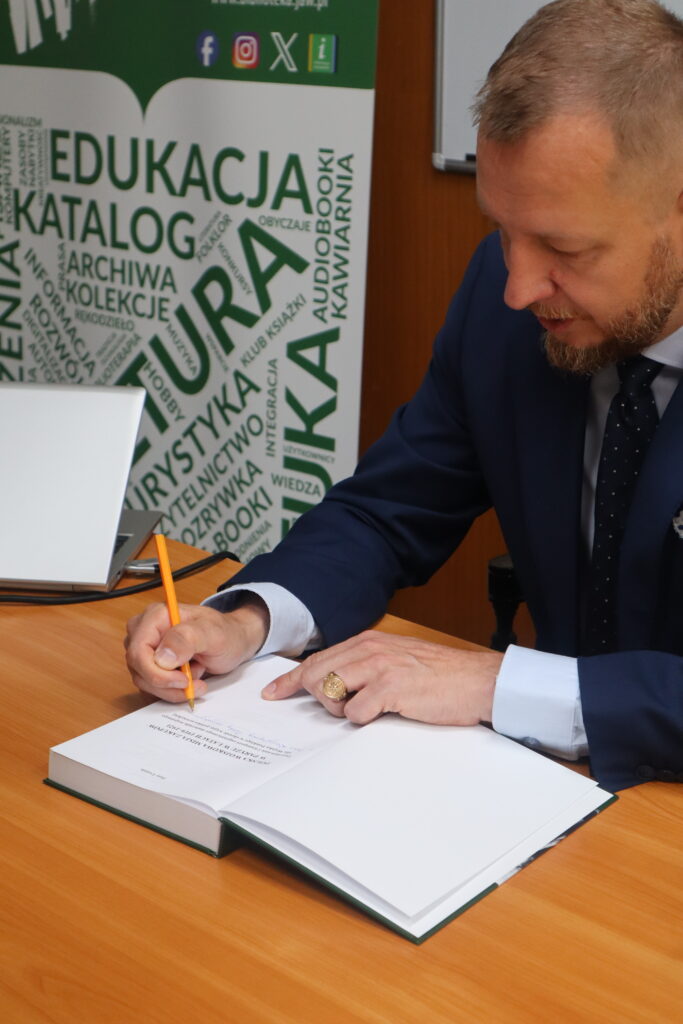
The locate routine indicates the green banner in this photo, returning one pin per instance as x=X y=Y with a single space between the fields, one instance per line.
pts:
x=184 y=194
x=148 y=44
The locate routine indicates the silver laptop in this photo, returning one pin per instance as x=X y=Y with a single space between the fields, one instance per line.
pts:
x=65 y=456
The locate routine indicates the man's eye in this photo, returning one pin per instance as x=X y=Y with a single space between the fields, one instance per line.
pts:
x=567 y=253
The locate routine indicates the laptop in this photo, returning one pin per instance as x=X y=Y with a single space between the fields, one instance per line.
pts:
x=65 y=456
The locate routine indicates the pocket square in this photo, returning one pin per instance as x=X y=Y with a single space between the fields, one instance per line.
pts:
x=677 y=523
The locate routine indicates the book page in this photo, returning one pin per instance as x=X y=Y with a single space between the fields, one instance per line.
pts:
x=232 y=742
x=458 y=898
x=412 y=812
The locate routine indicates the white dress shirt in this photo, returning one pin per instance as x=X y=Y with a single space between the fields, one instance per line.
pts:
x=537 y=698
x=537 y=694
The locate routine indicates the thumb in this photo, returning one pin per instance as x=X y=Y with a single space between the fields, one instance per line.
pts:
x=176 y=648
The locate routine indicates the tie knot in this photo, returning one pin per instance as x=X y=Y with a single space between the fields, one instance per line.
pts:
x=637 y=374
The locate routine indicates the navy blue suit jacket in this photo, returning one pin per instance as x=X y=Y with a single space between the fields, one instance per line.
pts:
x=494 y=424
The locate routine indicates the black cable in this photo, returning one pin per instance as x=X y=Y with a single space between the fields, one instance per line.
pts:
x=96 y=595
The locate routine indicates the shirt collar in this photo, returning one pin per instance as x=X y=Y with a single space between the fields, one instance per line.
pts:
x=668 y=351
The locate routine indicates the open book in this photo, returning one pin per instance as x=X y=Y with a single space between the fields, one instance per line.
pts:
x=412 y=822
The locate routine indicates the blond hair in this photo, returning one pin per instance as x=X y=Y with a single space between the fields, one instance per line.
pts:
x=619 y=59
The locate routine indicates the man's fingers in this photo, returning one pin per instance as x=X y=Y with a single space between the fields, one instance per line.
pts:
x=178 y=645
x=209 y=641
x=293 y=682
x=154 y=654
x=363 y=706
x=311 y=676
x=284 y=686
x=157 y=680
x=172 y=690
x=151 y=642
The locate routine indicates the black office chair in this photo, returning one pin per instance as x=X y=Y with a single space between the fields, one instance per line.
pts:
x=505 y=595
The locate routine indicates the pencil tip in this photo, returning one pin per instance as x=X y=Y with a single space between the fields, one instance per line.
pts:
x=191 y=703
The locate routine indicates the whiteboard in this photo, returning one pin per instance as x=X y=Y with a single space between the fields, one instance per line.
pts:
x=470 y=35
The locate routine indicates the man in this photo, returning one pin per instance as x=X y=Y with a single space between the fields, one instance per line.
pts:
x=580 y=165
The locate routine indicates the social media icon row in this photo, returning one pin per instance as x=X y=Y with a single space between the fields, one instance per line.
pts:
x=246 y=51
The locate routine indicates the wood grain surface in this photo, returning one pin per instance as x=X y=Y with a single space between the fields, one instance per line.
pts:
x=104 y=921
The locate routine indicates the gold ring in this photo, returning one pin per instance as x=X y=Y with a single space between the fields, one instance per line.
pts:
x=334 y=687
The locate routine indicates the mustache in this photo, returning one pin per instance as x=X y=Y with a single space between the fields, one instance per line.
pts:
x=553 y=312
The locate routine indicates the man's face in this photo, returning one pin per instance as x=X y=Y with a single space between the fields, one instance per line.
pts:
x=595 y=255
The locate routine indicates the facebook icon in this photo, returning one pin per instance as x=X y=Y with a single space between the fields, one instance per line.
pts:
x=207 y=49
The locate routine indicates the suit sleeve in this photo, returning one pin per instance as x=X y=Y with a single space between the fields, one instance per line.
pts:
x=409 y=503
x=632 y=706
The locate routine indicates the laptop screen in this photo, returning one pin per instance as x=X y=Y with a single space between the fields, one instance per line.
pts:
x=65 y=458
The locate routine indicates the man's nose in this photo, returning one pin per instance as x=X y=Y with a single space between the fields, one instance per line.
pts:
x=529 y=279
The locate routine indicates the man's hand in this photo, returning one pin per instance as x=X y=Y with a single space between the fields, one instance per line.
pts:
x=416 y=679
x=211 y=641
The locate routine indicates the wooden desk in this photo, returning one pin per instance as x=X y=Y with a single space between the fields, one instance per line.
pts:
x=104 y=921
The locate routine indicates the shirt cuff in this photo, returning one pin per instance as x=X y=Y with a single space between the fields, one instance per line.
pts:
x=292 y=629
x=537 y=702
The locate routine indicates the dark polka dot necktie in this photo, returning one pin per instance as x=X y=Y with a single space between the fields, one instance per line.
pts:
x=631 y=423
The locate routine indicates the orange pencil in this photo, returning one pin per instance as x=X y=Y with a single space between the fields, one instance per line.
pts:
x=172 y=605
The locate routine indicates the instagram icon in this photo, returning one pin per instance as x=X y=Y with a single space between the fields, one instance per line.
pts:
x=245 y=50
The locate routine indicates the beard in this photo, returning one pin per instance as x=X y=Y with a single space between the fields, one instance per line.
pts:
x=632 y=331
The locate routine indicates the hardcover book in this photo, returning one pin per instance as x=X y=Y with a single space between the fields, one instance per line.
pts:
x=410 y=822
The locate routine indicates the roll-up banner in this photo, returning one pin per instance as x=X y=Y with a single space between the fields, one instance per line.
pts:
x=184 y=189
